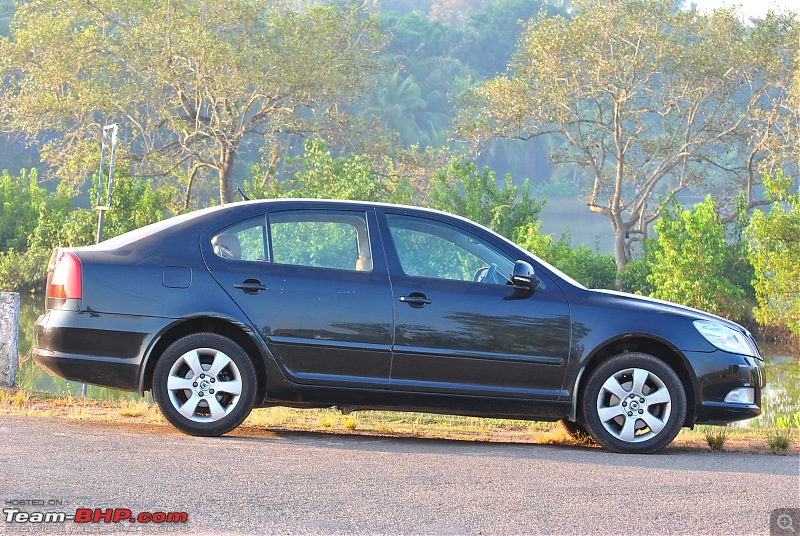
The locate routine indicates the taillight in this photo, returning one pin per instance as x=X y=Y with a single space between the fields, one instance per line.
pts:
x=66 y=280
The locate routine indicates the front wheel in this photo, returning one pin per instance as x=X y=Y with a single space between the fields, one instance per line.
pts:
x=204 y=384
x=633 y=403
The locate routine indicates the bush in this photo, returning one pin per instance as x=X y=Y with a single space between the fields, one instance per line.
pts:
x=318 y=175
x=775 y=254
x=591 y=268
x=32 y=220
x=461 y=189
x=690 y=259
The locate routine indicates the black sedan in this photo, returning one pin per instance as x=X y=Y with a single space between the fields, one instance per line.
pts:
x=307 y=303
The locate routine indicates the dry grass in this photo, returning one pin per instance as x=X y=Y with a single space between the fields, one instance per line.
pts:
x=376 y=423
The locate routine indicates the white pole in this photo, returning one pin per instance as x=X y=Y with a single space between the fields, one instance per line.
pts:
x=9 y=338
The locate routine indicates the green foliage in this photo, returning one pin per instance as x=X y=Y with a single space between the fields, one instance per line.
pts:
x=690 y=260
x=21 y=199
x=31 y=220
x=590 y=268
x=134 y=203
x=397 y=100
x=319 y=175
x=417 y=35
x=555 y=188
x=492 y=35
x=775 y=255
x=789 y=420
x=45 y=220
x=461 y=190
x=635 y=276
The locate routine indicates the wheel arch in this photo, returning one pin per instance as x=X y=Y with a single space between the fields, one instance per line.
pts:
x=238 y=333
x=644 y=344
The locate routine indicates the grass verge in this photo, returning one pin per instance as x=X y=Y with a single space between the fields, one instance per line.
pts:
x=387 y=423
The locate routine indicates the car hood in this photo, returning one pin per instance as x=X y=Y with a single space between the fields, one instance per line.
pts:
x=653 y=304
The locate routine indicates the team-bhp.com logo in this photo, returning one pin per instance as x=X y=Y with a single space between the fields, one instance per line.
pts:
x=94 y=515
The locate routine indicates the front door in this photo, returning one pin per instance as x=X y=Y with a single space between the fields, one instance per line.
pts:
x=460 y=326
x=308 y=281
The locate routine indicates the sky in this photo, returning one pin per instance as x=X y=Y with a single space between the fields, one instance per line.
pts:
x=749 y=8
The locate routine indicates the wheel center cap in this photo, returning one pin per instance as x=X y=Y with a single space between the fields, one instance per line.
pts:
x=203 y=385
x=634 y=405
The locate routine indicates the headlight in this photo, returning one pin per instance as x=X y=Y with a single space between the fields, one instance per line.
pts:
x=724 y=338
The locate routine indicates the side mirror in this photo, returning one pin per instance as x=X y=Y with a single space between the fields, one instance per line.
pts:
x=524 y=276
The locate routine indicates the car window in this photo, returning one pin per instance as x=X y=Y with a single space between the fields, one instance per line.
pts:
x=427 y=248
x=321 y=239
x=244 y=241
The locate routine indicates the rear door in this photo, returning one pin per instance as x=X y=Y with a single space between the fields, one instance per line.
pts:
x=317 y=290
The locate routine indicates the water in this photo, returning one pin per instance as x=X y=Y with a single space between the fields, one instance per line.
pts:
x=780 y=400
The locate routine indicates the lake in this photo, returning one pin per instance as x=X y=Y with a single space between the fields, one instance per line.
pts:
x=780 y=400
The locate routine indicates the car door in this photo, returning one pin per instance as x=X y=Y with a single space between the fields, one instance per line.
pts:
x=460 y=326
x=309 y=280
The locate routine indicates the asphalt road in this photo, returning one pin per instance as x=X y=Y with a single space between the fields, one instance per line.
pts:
x=308 y=483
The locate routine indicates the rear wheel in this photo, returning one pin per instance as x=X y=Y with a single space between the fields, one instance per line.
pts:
x=633 y=403
x=204 y=384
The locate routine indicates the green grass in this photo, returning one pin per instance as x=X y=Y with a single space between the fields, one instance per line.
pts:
x=779 y=440
x=715 y=436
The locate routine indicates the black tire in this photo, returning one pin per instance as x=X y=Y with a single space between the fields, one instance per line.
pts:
x=633 y=403
x=575 y=430
x=216 y=390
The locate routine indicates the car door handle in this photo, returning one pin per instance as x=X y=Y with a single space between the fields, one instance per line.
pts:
x=416 y=299
x=250 y=286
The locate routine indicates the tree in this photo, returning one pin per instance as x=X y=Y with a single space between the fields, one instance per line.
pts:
x=396 y=100
x=462 y=190
x=492 y=35
x=648 y=100
x=191 y=83
x=775 y=254
x=454 y=12
x=319 y=175
x=690 y=260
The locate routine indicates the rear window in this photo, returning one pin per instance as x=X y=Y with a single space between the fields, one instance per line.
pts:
x=321 y=239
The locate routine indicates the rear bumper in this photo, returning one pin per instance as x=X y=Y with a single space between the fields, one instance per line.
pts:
x=100 y=349
x=85 y=369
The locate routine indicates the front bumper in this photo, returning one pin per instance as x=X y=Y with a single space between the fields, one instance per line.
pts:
x=718 y=373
